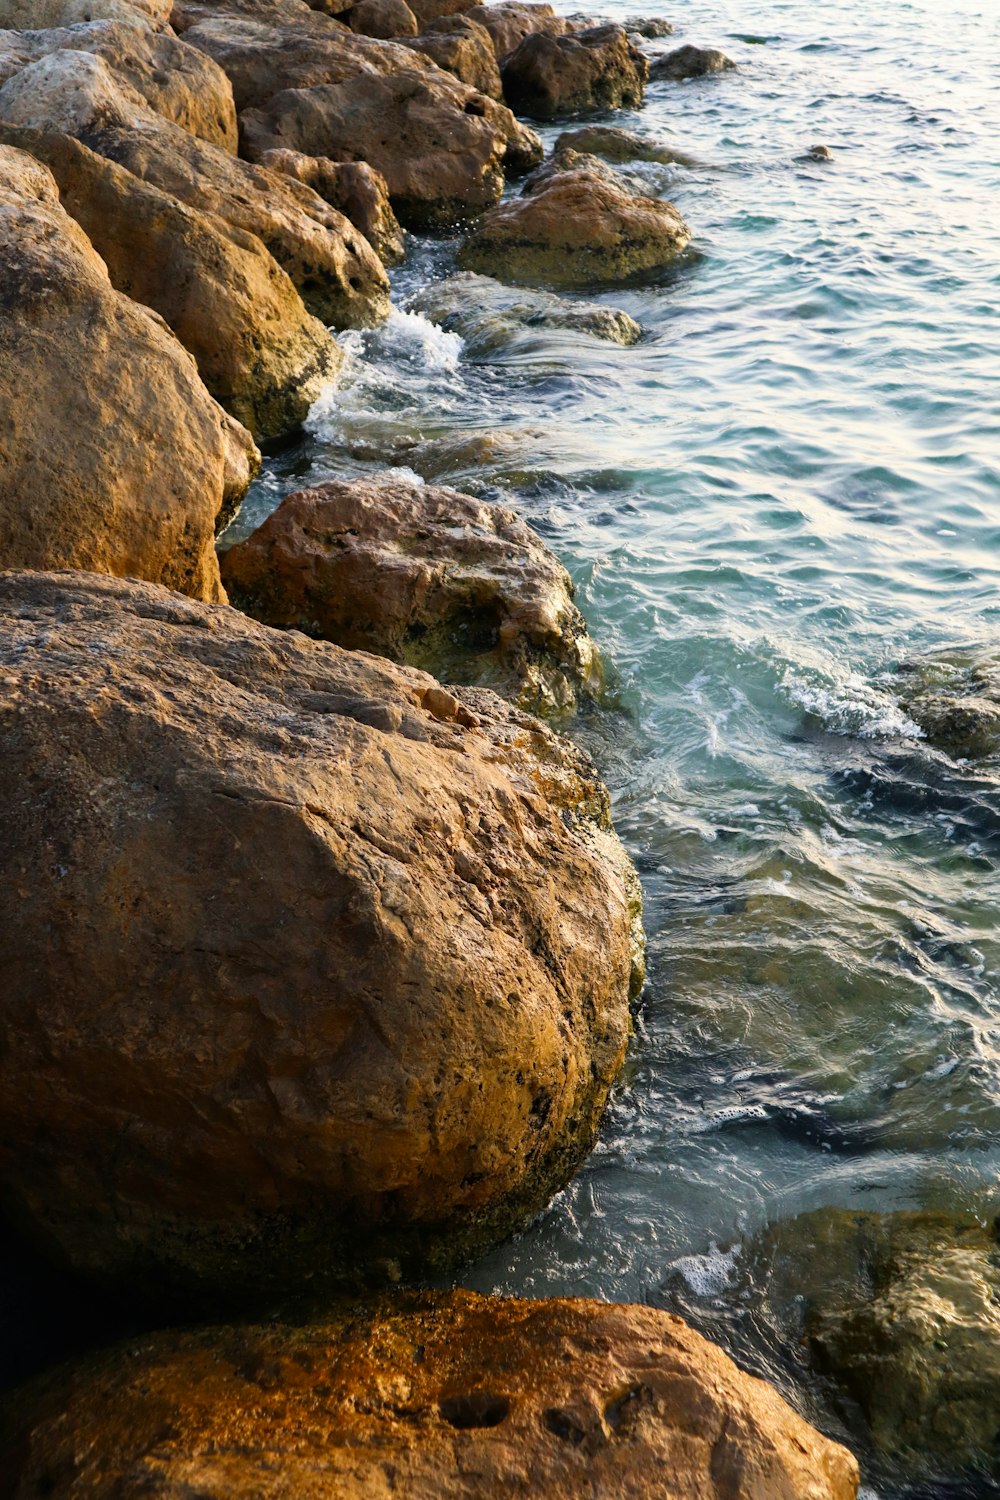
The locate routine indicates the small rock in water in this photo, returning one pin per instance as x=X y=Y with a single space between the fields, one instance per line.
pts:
x=817 y=153
x=649 y=27
x=689 y=62
x=956 y=701
x=618 y=145
x=489 y=316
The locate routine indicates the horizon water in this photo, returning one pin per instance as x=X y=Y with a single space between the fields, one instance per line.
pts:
x=785 y=491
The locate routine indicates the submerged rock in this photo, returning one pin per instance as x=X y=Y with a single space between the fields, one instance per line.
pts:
x=344 y=957
x=902 y=1310
x=425 y=576
x=955 y=699
x=489 y=316
x=580 y=73
x=689 y=62
x=113 y=457
x=260 y=354
x=354 y=189
x=337 y=273
x=450 y=1394
x=462 y=47
x=817 y=153
x=618 y=145
x=575 y=229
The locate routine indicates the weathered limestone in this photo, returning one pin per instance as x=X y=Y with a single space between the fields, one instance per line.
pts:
x=354 y=189
x=260 y=354
x=344 y=958
x=575 y=229
x=425 y=576
x=463 y=47
x=177 y=81
x=584 y=72
x=337 y=273
x=689 y=62
x=113 y=456
x=435 y=1396
x=384 y=19
x=30 y=15
x=510 y=21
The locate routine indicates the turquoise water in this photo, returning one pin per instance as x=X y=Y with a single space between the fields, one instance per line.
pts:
x=788 y=487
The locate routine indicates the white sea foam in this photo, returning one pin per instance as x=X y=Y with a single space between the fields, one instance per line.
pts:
x=411 y=336
x=710 y=1274
x=848 y=704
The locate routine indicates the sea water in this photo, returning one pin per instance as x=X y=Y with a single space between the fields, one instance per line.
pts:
x=787 y=488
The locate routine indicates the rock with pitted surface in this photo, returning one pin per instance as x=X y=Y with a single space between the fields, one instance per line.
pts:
x=435 y=1396
x=259 y=353
x=902 y=1311
x=336 y=271
x=353 y=188
x=489 y=316
x=425 y=576
x=462 y=47
x=440 y=146
x=584 y=72
x=383 y=19
x=37 y=15
x=575 y=229
x=113 y=456
x=177 y=81
x=510 y=21
x=689 y=62
x=344 y=956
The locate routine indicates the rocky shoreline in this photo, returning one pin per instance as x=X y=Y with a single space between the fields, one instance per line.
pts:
x=321 y=947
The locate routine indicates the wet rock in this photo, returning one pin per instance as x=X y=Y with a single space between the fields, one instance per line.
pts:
x=453 y=1394
x=259 y=353
x=462 y=47
x=955 y=700
x=648 y=27
x=575 y=161
x=902 y=1310
x=618 y=145
x=425 y=576
x=575 y=230
x=337 y=273
x=344 y=955
x=439 y=145
x=583 y=72
x=689 y=62
x=510 y=21
x=817 y=153
x=354 y=189
x=114 y=456
x=490 y=316
x=177 y=81
x=384 y=19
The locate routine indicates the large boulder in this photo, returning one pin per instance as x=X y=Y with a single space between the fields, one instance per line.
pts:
x=689 y=62
x=426 y=576
x=462 y=47
x=383 y=19
x=36 y=15
x=902 y=1312
x=343 y=963
x=575 y=229
x=259 y=353
x=510 y=21
x=584 y=72
x=337 y=273
x=354 y=189
x=440 y=146
x=177 y=81
x=434 y=1396
x=113 y=456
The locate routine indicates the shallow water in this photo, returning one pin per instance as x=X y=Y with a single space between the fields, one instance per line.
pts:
x=787 y=488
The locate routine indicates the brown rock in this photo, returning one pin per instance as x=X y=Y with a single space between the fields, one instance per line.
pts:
x=260 y=354
x=383 y=19
x=177 y=81
x=690 y=62
x=429 y=135
x=353 y=188
x=425 y=576
x=575 y=229
x=618 y=145
x=113 y=456
x=37 y=15
x=584 y=72
x=510 y=21
x=464 y=48
x=339 y=276
x=435 y=1396
x=343 y=966
x=427 y=11
x=187 y=13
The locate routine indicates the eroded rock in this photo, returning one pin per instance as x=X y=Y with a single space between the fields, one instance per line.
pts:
x=113 y=456
x=451 y=1394
x=422 y=575
x=336 y=271
x=689 y=62
x=490 y=316
x=31 y=15
x=955 y=700
x=384 y=19
x=259 y=353
x=575 y=229
x=462 y=47
x=583 y=72
x=343 y=964
x=354 y=189
x=510 y=21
